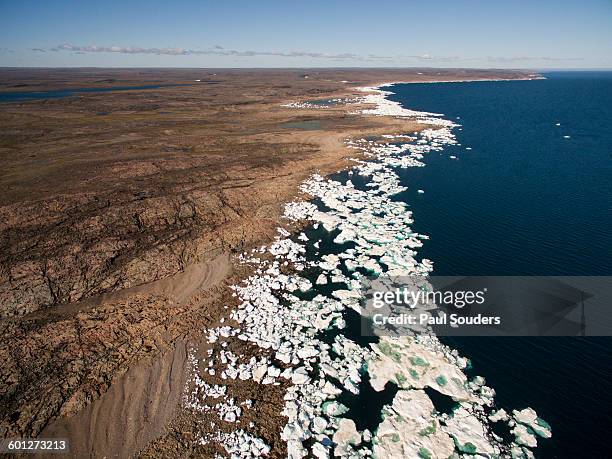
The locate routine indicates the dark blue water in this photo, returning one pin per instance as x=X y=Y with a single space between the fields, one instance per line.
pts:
x=59 y=93
x=527 y=201
x=524 y=200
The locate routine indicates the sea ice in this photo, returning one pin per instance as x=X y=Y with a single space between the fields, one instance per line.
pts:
x=272 y=316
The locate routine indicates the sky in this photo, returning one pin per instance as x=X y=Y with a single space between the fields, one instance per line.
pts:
x=538 y=34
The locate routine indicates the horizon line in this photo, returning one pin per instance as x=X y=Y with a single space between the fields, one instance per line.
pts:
x=515 y=69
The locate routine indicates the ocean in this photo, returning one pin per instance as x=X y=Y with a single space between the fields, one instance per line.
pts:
x=530 y=193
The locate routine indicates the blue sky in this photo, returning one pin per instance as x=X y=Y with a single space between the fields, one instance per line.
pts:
x=453 y=33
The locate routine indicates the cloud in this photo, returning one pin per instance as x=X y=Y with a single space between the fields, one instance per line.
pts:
x=122 y=50
x=38 y=50
x=215 y=50
x=218 y=50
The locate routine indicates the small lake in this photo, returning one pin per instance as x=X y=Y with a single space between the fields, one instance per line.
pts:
x=20 y=96
x=309 y=125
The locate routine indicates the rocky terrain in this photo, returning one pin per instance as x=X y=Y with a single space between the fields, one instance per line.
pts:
x=120 y=216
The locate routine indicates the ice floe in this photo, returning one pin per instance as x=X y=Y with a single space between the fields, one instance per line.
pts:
x=282 y=312
x=322 y=104
x=385 y=107
x=409 y=430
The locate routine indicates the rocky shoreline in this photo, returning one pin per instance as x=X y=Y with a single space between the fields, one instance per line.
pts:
x=286 y=316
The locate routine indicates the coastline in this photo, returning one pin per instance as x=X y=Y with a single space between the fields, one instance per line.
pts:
x=538 y=77
x=323 y=417
x=333 y=163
